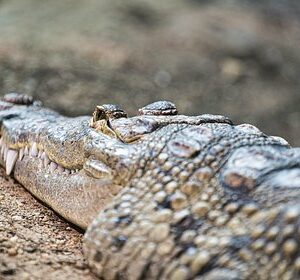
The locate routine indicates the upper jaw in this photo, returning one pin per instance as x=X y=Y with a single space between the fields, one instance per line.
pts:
x=111 y=150
x=73 y=145
x=10 y=155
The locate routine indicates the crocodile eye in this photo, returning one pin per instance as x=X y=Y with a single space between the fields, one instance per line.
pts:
x=99 y=114
x=159 y=108
x=102 y=116
x=108 y=111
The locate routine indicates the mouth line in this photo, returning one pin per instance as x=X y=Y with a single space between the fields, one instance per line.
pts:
x=9 y=156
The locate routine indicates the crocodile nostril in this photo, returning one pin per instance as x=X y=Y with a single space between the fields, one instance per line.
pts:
x=159 y=108
x=19 y=99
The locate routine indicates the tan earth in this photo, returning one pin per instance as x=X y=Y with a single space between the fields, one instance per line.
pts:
x=34 y=242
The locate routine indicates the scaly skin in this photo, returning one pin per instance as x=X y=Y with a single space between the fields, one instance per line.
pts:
x=179 y=197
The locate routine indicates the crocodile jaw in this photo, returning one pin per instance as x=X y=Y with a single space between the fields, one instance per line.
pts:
x=73 y=194
x=46 y=153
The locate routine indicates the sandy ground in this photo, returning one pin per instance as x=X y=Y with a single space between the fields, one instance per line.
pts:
x=34 y=242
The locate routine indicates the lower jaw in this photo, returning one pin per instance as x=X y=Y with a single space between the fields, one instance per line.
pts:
x=76 y=197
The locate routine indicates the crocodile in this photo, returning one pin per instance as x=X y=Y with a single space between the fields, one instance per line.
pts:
x=161 y=195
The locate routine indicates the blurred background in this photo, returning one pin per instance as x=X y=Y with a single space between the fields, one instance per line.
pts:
x=237 y=58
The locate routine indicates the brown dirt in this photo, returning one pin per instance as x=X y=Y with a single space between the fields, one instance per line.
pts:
x=34 y=242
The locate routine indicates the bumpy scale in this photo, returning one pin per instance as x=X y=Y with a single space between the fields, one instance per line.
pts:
x=178 y=197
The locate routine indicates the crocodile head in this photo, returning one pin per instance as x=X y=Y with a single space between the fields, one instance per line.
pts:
x=77 y=165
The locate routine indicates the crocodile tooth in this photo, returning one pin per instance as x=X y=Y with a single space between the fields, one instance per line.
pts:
x=53 y=166
x=67 y=171
x=26 y=152
x=60 y=168
x=40 y=153
x=21 y=153
x=45 y=159
x=2 y=149
x=5 y=152
x=11 y=159
x=34 y=150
